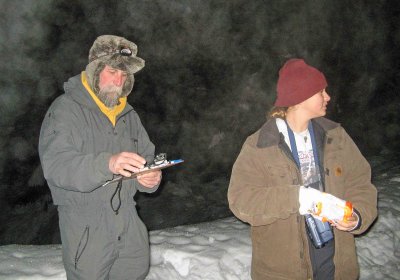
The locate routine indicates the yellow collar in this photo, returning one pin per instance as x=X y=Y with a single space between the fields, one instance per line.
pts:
x=111 y=113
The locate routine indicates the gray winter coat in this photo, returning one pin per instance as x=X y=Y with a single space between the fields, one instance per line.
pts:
x=76 y=142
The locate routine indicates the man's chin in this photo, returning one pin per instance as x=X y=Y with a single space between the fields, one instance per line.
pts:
x=110 y=99
x=109 y=102
x=112 y=103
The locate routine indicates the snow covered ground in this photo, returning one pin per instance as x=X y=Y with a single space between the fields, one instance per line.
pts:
x=222 y=249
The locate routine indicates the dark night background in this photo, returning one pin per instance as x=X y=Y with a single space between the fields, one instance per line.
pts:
x=210 y=77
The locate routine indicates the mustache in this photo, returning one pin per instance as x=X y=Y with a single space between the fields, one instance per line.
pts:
x=110 y=95
x=112 y=89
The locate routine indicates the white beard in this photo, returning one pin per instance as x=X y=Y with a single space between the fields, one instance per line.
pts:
x=110 y=95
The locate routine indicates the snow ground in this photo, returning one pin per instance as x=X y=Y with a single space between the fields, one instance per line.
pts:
x=222 y=249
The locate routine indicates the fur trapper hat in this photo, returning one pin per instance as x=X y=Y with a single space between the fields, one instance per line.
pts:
x=116 y=52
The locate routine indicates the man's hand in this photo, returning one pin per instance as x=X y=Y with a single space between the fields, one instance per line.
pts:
x=150 y=179
x=125 y=163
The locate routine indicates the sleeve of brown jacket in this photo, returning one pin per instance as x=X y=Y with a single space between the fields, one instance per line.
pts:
x=358 y=187
x=249 y=196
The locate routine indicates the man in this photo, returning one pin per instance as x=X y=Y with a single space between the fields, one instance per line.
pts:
x=89 y=135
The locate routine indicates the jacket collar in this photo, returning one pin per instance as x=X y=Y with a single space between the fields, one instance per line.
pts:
x=270 y=136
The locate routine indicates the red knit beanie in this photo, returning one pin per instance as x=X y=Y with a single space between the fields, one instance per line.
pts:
x=297 y=82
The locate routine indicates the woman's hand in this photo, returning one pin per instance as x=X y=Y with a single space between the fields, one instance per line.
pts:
x=348 y=225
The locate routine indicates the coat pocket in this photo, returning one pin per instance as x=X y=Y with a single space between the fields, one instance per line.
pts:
x=129 y=144
x=82 y=245
x=77 y=227
x=278 y=175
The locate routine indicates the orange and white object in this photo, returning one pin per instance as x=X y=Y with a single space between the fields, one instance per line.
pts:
x=323 y=206
x=330 y=208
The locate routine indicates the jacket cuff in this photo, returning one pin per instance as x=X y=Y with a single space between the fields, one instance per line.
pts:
x=144 y=189
x=359 y=220
x=102 y=166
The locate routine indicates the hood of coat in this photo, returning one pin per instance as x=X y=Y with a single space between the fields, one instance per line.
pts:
x=75 y=89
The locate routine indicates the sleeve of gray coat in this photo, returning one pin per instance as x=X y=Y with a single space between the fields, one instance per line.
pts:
x=64 y=165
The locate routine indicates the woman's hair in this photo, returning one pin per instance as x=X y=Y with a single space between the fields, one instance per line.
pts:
x=278 y=112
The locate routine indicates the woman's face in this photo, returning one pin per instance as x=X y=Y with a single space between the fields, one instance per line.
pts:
x=315 y=106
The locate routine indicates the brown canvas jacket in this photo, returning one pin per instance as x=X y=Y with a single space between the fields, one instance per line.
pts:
x=264 y=189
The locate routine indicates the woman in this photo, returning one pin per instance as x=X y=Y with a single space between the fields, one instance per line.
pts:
x=289 y=164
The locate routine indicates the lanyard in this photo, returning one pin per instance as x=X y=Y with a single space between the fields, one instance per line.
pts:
x=320 y=232
x=294 y=146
